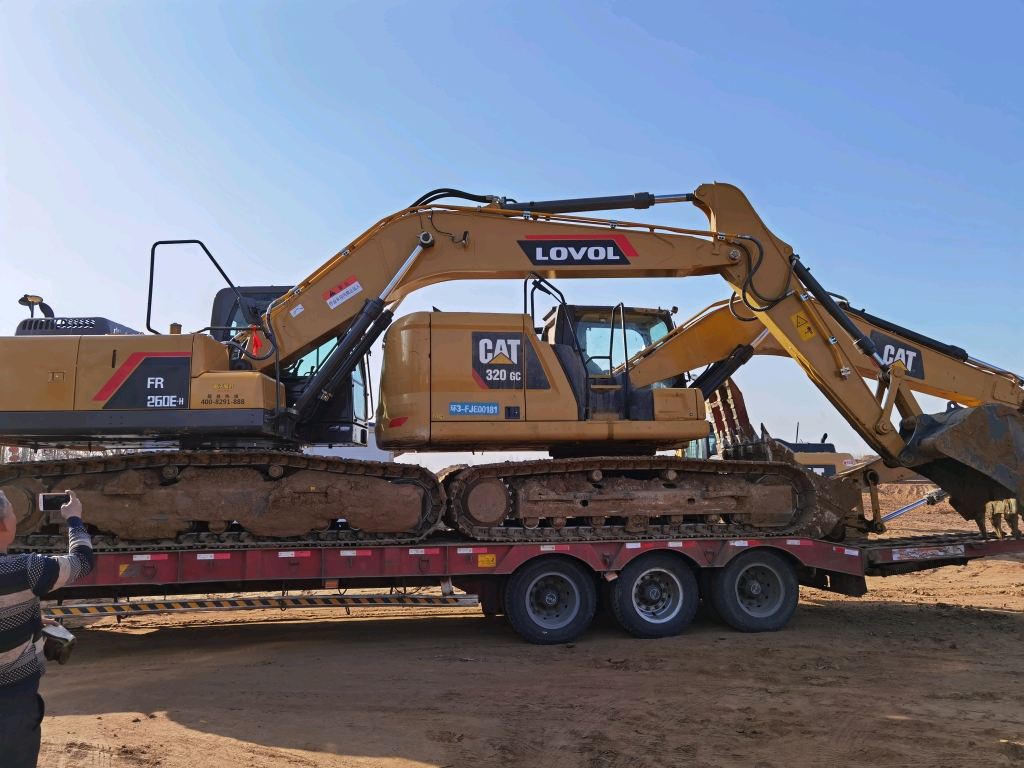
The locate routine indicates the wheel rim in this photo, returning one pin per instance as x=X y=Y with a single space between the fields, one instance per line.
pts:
x=657 y=595
x=760 y=590
x=552 y=600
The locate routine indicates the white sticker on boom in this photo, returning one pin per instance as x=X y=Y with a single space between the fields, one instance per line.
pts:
x=297 y=311
x=342 y=292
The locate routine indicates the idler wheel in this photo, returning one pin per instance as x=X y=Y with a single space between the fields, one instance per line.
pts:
x=487 y=502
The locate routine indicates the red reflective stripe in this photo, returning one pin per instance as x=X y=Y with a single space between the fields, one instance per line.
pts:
x=126 y=369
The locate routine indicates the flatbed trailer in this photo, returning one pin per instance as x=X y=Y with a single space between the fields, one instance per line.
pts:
x=549 y=592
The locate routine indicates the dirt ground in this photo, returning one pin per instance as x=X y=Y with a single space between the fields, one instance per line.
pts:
x=926 y=670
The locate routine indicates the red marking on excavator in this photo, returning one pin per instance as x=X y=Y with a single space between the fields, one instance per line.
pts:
x=126 y=369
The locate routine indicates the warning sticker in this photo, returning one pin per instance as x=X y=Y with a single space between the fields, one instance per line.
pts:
x=486 y=561
x=342 y=292
x=299 y=309
x=803 y=326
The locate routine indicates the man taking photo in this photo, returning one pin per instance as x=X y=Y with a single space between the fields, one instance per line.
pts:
x=23 y=580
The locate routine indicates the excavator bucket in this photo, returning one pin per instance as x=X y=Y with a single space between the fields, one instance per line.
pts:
x=975 y=454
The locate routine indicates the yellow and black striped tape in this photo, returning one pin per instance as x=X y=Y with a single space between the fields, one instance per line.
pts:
x=168 y=606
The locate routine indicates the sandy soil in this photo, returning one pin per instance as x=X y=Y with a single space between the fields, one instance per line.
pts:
x=926 y=670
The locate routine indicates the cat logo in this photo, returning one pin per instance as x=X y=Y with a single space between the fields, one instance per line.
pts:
x=499 y=351
x=498 y=360
x=891 y=350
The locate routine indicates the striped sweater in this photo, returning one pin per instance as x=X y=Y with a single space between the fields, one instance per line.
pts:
x=23 y=580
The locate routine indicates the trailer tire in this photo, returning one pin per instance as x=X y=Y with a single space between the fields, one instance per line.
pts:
x=656 y=595
x=756 y=591
x=550 y=600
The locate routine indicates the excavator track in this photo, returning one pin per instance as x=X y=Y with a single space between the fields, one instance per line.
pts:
x=820 y=504
x=314 y=487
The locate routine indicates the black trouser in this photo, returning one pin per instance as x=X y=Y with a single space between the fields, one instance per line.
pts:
x=20 y=717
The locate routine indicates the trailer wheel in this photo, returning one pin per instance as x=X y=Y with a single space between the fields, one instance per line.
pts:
x=550 y=600
x=655 y=595
x=756 y=592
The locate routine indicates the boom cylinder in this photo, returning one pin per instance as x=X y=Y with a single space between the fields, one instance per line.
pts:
x=640 y=200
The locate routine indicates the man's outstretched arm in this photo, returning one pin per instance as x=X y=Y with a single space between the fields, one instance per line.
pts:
x=49 y=573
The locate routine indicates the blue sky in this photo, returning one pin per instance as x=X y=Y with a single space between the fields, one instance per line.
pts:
x=883 y=140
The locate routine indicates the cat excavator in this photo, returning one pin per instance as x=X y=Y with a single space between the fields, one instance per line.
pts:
x=218 y=422
x=723 y=339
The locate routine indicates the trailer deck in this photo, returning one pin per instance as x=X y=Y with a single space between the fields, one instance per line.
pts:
x=481 y=570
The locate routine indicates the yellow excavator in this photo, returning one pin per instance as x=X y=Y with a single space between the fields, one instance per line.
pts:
x=723 y=338
x=223 y=419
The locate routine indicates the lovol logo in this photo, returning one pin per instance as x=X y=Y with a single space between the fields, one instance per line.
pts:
x=578 y=250
x=498 y=360
x=892 y=350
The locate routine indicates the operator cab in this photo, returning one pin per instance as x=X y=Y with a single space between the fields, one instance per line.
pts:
x=344 y=421
x=601 y=335
x=594 y=345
